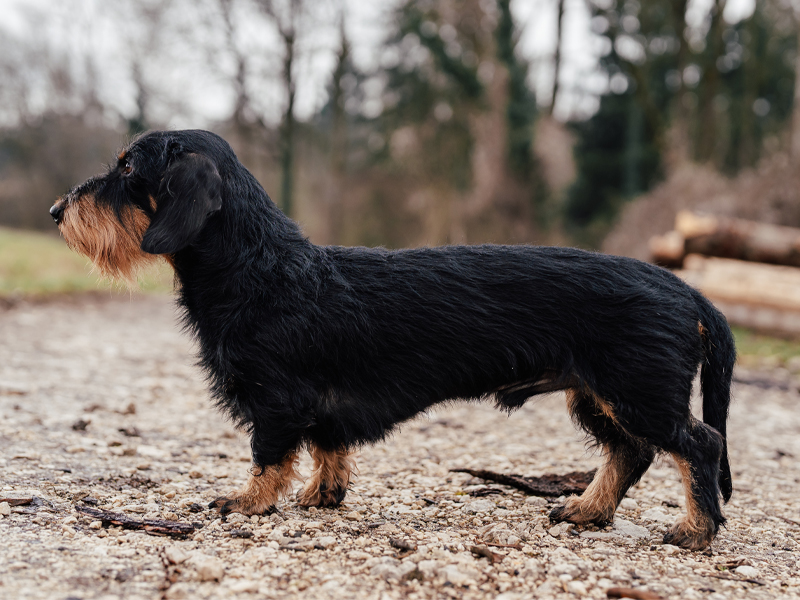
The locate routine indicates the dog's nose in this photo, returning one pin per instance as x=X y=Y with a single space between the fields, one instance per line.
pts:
x=57 y=211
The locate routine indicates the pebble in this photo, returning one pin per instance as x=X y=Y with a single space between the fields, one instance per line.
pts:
x=658 y=515
x=5 y=509
x=245 y=586
x=747 y=571
x=628 y=529
x=325 y=542
x=535 y=501
x=209 y=568
x=482 y=505
x=175 y=555
x=628 y=504
x=353 y=516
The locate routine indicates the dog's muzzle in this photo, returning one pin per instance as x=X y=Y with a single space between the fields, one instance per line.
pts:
x=57 y=212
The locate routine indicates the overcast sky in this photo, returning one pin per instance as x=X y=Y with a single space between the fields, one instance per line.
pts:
x=193 y=84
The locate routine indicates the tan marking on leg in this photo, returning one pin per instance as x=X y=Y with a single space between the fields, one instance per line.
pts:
x=113 y=246
x=695 y=531
x=603 y=407
x=262 y=490
x=599 y=502
x=331 y=478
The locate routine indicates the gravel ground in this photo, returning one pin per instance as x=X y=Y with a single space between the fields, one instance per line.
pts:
x=152 y=447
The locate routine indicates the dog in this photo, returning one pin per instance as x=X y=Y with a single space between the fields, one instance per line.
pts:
x=329 y=348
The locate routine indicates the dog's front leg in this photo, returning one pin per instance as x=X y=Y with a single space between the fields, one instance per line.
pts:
x=328 y=485
x=265 y=486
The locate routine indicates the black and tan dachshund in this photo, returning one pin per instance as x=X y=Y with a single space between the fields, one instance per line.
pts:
x=329 y=348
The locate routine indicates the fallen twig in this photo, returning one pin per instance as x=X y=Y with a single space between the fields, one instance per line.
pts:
x=17 y=501
x=547 y=485
x=787 y=519
x=743 y=579
x=403 y=545
x=486 y=553
x=514 y=546
x=152 y=526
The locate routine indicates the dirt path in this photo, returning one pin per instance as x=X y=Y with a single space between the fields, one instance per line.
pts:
x=153 y=447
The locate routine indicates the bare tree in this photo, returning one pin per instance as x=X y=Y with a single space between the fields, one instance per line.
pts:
x=557 y=56
x=286 y=14
x=795 y=141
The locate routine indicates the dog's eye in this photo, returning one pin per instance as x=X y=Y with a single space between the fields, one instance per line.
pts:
x=127 y=168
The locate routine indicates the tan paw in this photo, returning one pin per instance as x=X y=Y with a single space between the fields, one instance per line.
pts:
x=691 y=537
x=575 y=511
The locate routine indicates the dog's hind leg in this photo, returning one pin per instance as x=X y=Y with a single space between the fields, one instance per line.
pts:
x=697 y=450
x=626 y=460
x=328 y=485
x=264 y=487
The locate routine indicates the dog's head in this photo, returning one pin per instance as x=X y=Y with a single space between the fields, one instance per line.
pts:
x=154 y=200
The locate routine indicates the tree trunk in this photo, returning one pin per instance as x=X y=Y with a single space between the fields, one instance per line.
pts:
x=557 y=57
x=288 y=124
x=707 y=131
x=795 y=145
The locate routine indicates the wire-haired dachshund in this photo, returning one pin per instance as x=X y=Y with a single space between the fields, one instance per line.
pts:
x=331 y=347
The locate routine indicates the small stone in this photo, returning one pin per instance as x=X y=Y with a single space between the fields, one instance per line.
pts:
x=628 y=504
x=483 y=505
x=237 y=518
x=175 y=555
x=353 y=516
x=17 y=566
x=577 y=587
x=246 y=586
x=178 y=591
x=628 y=529
x=658 y=515
x=325 y=542
x=747 y=571
x=535 y=501
x=96 y=525
x=209 y=569
x=194 y=474
x=669 y=549
x=71 y=520
x=5 y=509
x=144 y=466
x=457 y=575
x=560 y=529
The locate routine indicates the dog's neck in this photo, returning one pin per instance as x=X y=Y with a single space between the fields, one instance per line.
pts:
x=247 y=252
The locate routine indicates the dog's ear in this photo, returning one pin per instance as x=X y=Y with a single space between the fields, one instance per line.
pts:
x=190 y=191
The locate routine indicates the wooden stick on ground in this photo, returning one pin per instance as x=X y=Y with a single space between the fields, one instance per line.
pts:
x=548 y=485
x=152 y=526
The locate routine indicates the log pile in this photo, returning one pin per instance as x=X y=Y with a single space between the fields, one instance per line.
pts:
x=748 y=269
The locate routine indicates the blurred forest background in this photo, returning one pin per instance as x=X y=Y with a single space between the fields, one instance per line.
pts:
x=450 y=134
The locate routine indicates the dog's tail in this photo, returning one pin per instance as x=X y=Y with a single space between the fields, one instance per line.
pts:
x=715 y=379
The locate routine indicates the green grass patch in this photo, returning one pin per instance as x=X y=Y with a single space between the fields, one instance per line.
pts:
x=753 y=346
x=37 y=264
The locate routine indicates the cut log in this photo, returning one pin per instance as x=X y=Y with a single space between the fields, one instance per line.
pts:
x=726 y=237
x=668 y=250
x=754 y=295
